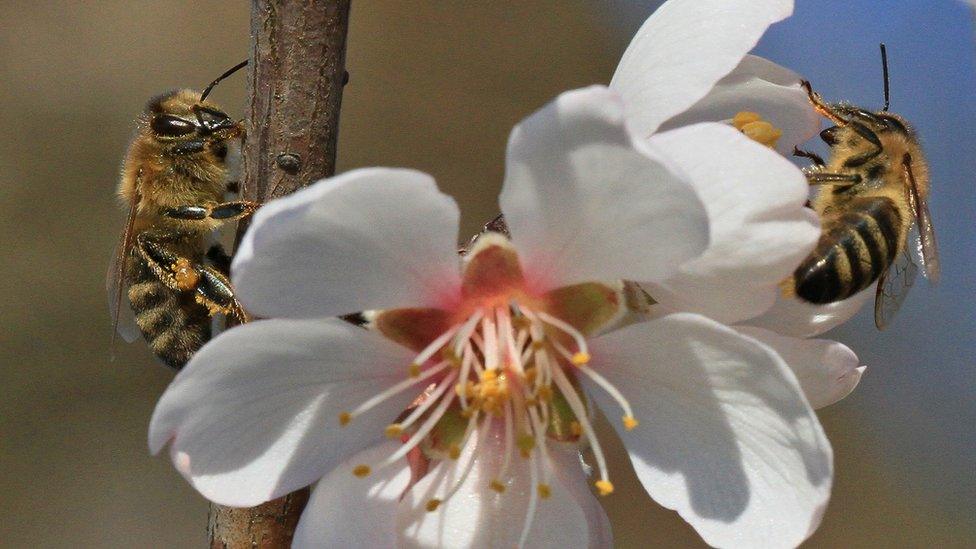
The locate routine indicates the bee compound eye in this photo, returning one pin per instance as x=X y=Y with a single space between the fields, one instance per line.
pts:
x=168 y=125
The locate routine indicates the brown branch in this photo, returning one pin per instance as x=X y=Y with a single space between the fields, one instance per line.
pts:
x=296 y=74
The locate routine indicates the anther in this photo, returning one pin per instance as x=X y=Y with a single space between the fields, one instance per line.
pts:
x=575 y=428
x=526 y=444
x=538 y=345
x=432 y=505
x=454 y=451
x=361 y=470
x=497 y=486
x=544 y=491
x=344 y=418
x=579 y=359
x=393 y=430
x=630 y=422
x=414 y=370
x=544 y=393
x=744 y=117
x=604 y=487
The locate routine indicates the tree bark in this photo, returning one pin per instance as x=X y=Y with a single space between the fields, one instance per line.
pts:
x=296 y=74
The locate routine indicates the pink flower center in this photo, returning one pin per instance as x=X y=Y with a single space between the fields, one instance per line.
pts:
x=502 y=356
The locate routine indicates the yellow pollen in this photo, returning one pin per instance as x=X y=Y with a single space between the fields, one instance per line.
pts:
x=393 y=430
x=344 y=418
x=489 y=375
x=454 y=451
x=361 y=470
x=497 y=486
x=745 y=117
x=449 y=355
x=630 y=422
x=604 y=487
x=757 y=129
x=432 y=505
x=580 y=359
x=544 y=491
x=576 y=428
x=526 y=444
x=414 y=370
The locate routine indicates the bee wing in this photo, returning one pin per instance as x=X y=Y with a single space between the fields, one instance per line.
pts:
x=893 y=286
x=123 y=319
x=926 y=247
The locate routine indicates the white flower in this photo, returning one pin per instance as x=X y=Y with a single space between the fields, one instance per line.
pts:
x=688 y=65
x=480 y=369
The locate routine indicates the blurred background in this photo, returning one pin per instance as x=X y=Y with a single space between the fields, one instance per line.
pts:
x=436 y=86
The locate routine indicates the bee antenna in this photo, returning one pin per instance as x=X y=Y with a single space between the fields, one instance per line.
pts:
x=229 y=72
x=884 y=68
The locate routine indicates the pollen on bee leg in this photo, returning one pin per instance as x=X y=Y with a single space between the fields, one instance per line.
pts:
x=604 y=487
x=185 y=275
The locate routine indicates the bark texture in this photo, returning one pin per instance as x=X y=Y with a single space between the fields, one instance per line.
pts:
x=295 y=79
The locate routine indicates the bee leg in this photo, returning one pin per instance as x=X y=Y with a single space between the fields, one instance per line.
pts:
x=821 y=106
x=210 y=287
x=219 y=257
x=223 y=211
x=814 y=157
x=821 y=178
x=214 y=291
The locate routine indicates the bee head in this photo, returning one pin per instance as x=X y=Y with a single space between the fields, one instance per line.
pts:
x=185 y=123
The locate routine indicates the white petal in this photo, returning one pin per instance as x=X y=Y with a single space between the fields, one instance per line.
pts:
x=793 y=317
x=347 y=511
x=254 y=415
x=586 y=201
x=827 y=370
x=367 y=239
x=726 y=437
x=758 y=226
x=761 y=86
x=477 y=516
x=683 y=49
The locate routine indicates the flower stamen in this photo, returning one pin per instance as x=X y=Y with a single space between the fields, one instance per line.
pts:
x=346 y=417
x=757 y=129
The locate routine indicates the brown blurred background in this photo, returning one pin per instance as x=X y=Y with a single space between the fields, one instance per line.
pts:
x=435 y=86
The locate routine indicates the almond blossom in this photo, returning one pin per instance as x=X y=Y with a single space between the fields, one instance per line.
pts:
x=673 y=80
x=481 y=376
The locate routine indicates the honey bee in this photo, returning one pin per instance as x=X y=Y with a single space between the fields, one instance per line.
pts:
x=872 y=193
x=173 y=182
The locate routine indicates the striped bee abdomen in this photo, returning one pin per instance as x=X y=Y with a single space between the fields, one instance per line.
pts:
x=172 y=323
x=855 y=247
